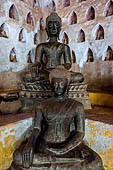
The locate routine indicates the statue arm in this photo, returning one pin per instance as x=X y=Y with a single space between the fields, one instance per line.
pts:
x=67 y=58
x=78 y=134
x=38 y=55
x=28 y=151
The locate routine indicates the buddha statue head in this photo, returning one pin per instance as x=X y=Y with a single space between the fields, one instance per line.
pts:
x=53 y=25
x=59 y=79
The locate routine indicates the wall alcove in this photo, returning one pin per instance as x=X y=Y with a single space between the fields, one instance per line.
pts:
x=81 y=36
x=4 y=31
x=72 y=18
x=65 y=39
x=108 y=11
x=29 y=19
x=90 y=14
x=13 y=12
x=99 y=33
x=22 y=36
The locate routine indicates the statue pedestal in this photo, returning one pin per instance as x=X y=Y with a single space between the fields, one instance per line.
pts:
x=38 y=91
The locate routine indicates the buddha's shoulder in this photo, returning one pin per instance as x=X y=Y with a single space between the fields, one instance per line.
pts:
x=75 y=103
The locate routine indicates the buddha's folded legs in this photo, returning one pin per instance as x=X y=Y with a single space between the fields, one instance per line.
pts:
x=80 y=158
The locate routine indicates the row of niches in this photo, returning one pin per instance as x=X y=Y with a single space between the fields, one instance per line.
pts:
x=90 y=56
x=108 y=55
x=90 y=13
x=13 y=13
x=99 y=35
x=22 y=36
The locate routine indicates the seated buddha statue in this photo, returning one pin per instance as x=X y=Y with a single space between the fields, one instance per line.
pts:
x=56 y=142
x=52 y=53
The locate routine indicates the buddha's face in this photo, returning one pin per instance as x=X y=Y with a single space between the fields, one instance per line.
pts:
x=53 y=28
x=59 y=86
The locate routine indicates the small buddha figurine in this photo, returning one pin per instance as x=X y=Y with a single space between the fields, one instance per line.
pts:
x=59 y=128
x=13 y=55
x=53 y=53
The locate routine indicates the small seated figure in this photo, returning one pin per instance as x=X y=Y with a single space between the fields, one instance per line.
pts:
x=53 y=53
x=56 y=139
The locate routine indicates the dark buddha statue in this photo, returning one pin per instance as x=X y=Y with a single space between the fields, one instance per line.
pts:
x=53 y=53
x=59 y=127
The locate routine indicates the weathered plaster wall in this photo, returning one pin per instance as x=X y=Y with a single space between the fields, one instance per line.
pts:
x=99 y=137
x=98 y=74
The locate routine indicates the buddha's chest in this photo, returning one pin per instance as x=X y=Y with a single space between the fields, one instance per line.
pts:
x=53 y=51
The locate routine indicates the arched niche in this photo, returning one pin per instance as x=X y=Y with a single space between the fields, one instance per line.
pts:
x=13 y=12
x=36 y=38
x=30 y=20
x=90 y=57
x=41 y=24
x=72 y=18
x=99 y=33
x=108 y=11
x=65 y=39
x=29 y=56
x=73 y=57
x=109 y=54
x=36 y=3
x=65 y=3
x=51 y=6
x=4 y=31
x=81 y=36
x=13 y=55
x=22 y=36
x=90 y=14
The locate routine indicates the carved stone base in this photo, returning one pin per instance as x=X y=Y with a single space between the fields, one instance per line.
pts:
x=38 y=91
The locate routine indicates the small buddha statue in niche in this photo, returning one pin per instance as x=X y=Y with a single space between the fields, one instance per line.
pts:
x=13 y=55
x=53 y=53
x=90 y=57
x=56 y=141
x=4 y=31
x=109 y=54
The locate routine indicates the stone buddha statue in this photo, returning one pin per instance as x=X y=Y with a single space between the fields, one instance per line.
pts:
x=59 y=127
x=52 y=53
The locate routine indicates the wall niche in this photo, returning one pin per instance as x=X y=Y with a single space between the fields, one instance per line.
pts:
x=30 y=20
x=99 y=33
x=73 y=57
x=13 y=55
x=36 y=3
x=108 y=11
x=81 y=36
x=29 y=56
x=90 y=14
x=36 y=38
x=22 y=36
x=65 y=3
x=51 y=6
x=72 y=18
x=4 y=31
x=41 y=24
x=90 y=57
x=109 y=54
x=13 y=12
x=65 y=39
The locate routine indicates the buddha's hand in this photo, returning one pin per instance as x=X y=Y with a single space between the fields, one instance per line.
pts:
x=63 y=149
x=35 y=69
x=27 y=156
